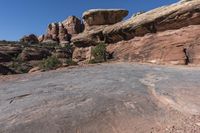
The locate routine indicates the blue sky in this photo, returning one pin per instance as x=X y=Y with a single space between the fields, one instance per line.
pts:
x=21 y=17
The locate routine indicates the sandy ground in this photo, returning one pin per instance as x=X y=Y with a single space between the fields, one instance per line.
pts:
x=105 y=98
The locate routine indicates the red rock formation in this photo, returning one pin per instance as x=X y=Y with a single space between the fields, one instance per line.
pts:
x=97 y=17
x=61 y=32
x=167 y=47
x=34 y=53
x=73 y=25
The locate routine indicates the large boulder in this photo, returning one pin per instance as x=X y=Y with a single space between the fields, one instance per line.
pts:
x=82 y=54
x=103 y=16
x=73 y=25
x=29 y=39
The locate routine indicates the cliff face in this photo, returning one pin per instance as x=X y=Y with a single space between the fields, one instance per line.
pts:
x=164 y=35
x=180 y=46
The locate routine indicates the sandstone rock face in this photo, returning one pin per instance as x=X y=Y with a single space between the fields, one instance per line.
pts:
x=82 y=54
x=8 y=52
x=31 y=53
x=52 y=33
x=171 y=17
x=63 y=35
x=139 y=38
x=167 y=47
x=103 y=16
x=73 y=25
x=30 y=39
x=62 y=32
x=63 y=53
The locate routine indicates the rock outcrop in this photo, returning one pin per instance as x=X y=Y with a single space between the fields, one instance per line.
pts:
x=82 y=54
x=165 y=18
x=136 y=29
x=30 y=39
x=62 y=32
x=73 y=25
x=96 y=17
x=8 y=52
x=34 y=53
x=178 y=47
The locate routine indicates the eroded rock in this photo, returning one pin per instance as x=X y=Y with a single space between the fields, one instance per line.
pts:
x=73 y=25
x=178 y=47
x=34 y=53
x=103 y=16
x=82 y=54
x=30 y=39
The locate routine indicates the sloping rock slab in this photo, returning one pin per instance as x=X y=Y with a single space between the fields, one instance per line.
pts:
x=107 y=98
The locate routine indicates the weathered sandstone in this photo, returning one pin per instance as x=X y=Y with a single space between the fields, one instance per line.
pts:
x=62 y=32
x=170 y=47
x=73 y=25
x=34 y=53
x=96 y=17
x=106 y=98
x=170 y=17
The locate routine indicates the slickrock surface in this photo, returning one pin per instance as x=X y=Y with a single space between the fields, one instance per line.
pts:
x=106 y=98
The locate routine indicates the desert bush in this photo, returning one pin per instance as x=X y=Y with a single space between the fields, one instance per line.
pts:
x=50 y=63
x=20 y=67
x=99 y=54
x=70 y=62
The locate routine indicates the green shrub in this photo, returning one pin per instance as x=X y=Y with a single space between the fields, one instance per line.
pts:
x=50 y=63
x=70 y=62
x=20 y=67
x=99 y=53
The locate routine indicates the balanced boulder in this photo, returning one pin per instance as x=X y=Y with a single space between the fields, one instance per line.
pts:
x=103 y=16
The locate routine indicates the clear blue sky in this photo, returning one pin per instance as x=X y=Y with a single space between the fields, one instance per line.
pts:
x=20 y=17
